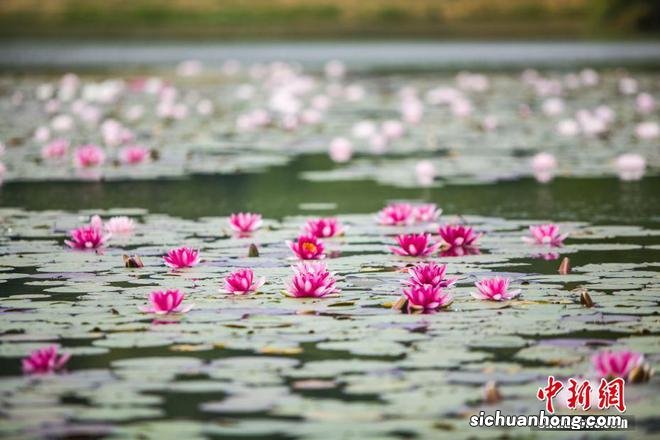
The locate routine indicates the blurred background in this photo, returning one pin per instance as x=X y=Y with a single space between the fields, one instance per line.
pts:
x=319 y=19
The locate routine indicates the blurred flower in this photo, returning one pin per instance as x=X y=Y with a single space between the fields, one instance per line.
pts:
x=547 y=234
x=495 y=289
x=55 y=149
x=182 y=257
x=88 y=156
x=396 y=214
x=324 y=227
x=630 y=166
x=425 y=172
x=166 y=302
x=613 y=364
x=429 y=273
x=120 y=225
x=340 y=150
x=242 y=282
x=86 y=237
x=647 y=130
x=311 y=280
x=426 y=298
x=568 y=127
x=644 y=103
x=245 y=222
x=544 y=166
x=134 y=154
x=44 y=360
x=458 y=235
x=414 y=245
x=307 y=247
x=427 y=212
x=392 y=129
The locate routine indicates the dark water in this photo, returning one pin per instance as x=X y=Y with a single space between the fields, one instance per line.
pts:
x=279 y=191
x=367 y=55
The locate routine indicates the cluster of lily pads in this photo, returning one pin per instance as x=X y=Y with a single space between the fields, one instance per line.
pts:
x=274 y=357
x=425 y=291
x=211 y=121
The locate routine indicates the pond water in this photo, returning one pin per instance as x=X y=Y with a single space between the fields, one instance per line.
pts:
x=349 y=365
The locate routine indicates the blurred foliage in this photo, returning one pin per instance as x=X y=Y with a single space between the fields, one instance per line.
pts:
x=326 y=18
x=626 y=15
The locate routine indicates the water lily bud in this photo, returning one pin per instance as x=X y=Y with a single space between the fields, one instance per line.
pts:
x=400 y=304
x=585 y=299
x=492 y=393
x=132 y=261
x=641 y=373
x=253 y=251
x=565 y=266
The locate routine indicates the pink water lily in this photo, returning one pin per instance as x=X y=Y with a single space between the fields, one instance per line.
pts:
x=134 y=154
x=547 y=234
x=120 y=225
x=55 y=149
x=166 y=302
x=242 y=282
x=307 y=247
x=182 y=257
x=426 y=298
x=311 y=279
x=245 y=222
x=414 y=245
x=494 y=289
x=612 y=364
x=458 y=235
x=459 y=251
x=87 y=156
x=425 y=213
x=324 y=227
x=396 y=214
x=429 y=273
x=86 y=237
x=44 y=360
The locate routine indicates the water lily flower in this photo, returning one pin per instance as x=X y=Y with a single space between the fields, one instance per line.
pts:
x=88 y=156
x=166 y=302
x=568 y=127
x=630 y=166
x=134 y=154
x=324 y=227
x=55 y=149
x=426 y=298
x=459 y=251
x=44 y=360
x=393 y=129
x=311 y=279
x=182 y=257
x=426 y=213
x=120 y=225
x=647 y=130
x=547 y=234
x=340 y=150
x=245 y=222
x=553 y=106
x=612 y=364
x=242 y=282
x=458 y=236
x=429 y=273
x=86 y=237
x=645 y=103
x=414 y=245
x=495 y=289
x=363 y=129
x=396 y=214
x=307 y=247
x=425 y=172
x=544 y=166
